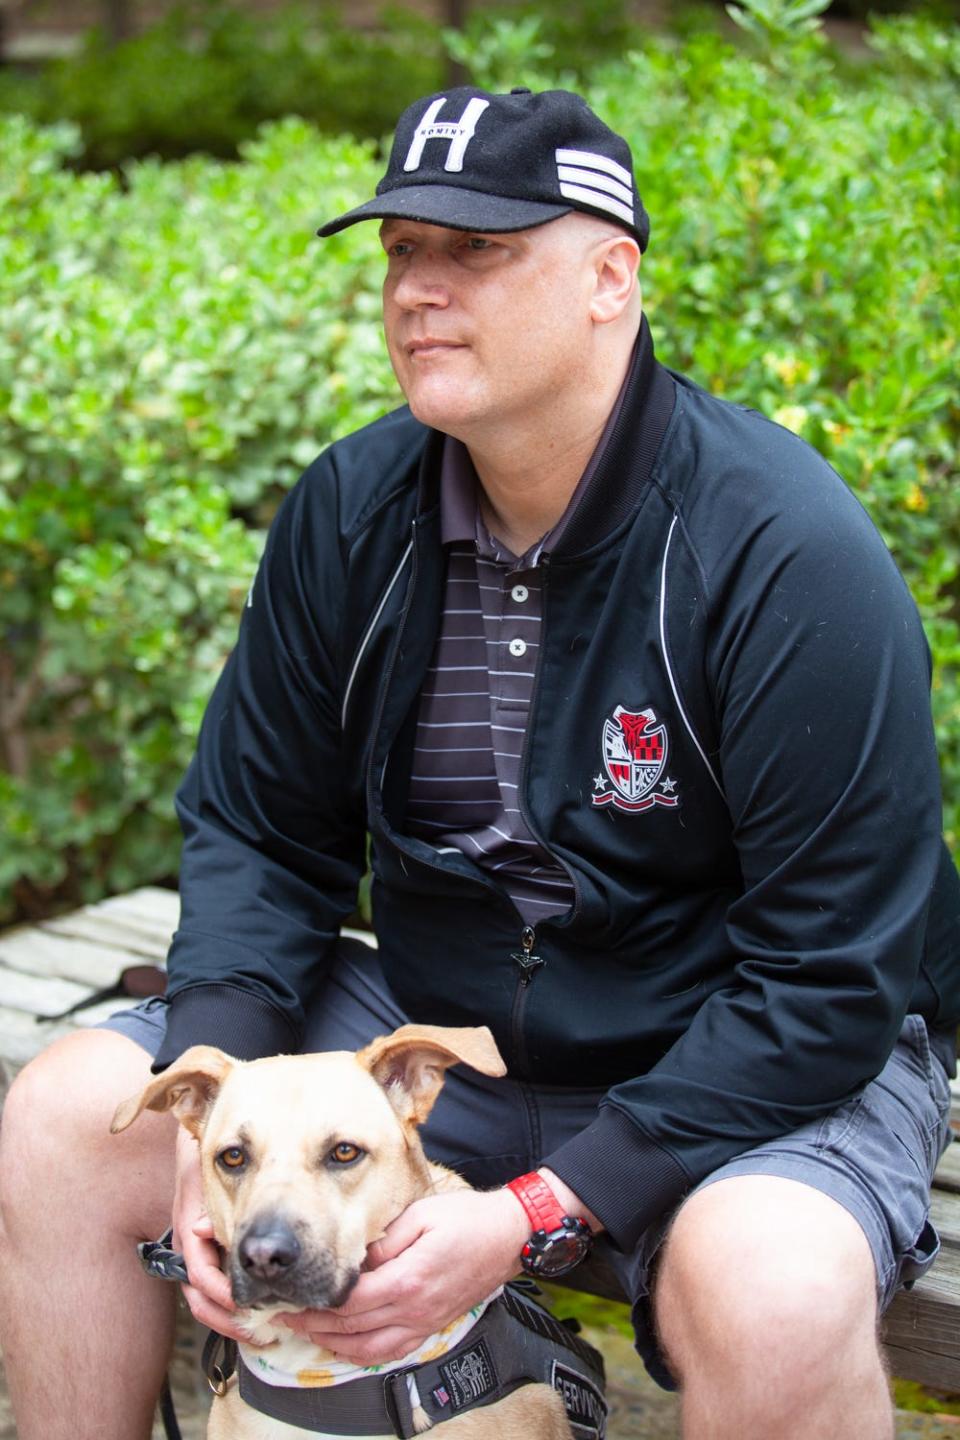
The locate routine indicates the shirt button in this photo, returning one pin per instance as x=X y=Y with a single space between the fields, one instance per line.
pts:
x=519 y=593
x=518 y=648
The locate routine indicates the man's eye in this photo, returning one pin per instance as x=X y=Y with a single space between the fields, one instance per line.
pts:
x=345 y=1153
x=233 y=1158
x=479 y=242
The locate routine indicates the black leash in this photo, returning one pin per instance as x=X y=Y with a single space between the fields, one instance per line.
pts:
x=167 y=1412
x=159 y=1259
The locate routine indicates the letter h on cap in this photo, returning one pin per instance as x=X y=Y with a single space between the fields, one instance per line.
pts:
x=458 y=133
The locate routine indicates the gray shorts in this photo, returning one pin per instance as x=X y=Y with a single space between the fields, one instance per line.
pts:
x=875 y=1155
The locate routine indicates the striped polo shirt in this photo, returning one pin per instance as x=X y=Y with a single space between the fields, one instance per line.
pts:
x=475 y=700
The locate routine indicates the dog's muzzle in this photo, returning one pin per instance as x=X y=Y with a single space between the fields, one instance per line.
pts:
x=269 y=1265
x=268 y=1249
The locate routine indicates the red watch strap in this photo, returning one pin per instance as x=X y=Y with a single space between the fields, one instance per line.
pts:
x=542 y=1207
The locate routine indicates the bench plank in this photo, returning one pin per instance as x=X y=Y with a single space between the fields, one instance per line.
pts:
x=35 y=952
x=112 y=933
x=23 y=1038
x=38 y=995
x=948 y=1171
x=146 y=917
x=945 y=1211
x=150 y=905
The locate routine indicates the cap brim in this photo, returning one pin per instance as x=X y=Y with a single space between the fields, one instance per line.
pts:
x=452 y=207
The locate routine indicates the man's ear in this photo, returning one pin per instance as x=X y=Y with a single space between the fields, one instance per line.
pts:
x=617 y=264
x=411 y=1063
x=188 y=1088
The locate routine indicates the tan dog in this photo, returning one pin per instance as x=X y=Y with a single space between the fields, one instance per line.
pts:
x=306 y=1160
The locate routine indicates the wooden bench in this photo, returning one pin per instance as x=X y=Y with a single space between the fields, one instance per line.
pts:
x=46 y=967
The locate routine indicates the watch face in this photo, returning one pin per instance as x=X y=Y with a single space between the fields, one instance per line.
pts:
x=558 y=1252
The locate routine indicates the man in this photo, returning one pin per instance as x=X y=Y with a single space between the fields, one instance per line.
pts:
x=634 y=706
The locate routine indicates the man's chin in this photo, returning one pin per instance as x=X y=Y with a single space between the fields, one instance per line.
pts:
x=446 y=410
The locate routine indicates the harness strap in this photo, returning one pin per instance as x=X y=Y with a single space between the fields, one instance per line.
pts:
x=514 y=1343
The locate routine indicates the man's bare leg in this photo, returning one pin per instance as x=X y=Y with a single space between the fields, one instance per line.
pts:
x=86 y=1335
x=766 y=1307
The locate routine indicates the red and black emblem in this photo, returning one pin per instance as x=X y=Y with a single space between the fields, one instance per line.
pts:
x=635 y=748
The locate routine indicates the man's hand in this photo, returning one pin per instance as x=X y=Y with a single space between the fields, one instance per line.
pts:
x=208 y=1291
x=442 y=1255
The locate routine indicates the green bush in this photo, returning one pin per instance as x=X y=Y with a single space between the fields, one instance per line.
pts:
x=209 y=73
x=206 y=76
x=175 y=346
x=173 y=350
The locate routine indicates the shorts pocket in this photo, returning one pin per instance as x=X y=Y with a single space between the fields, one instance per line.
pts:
x=917 y=1037
x=923 y=1090
x=840 y=1128
x=916 y=1261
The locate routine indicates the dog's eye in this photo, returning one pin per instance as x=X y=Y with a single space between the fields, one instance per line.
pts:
x=345 y=1153
x=233 y=1158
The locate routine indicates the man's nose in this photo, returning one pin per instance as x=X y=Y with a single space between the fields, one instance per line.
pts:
x=422 y=282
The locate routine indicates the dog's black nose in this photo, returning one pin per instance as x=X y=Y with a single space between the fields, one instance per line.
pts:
x=268 y=1248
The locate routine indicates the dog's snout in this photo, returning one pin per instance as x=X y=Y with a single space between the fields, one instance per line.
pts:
x=269 y=1248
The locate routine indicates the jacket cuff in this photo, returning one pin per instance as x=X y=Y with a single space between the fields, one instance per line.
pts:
x=624 y=1178
x=244 y=1025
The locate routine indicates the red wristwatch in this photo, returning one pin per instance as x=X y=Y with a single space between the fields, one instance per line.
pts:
x=558 y=1241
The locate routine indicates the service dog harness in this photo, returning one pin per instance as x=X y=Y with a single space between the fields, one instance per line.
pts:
x=515 y=1342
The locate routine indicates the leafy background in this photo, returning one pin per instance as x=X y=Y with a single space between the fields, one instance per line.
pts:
x=175 y=346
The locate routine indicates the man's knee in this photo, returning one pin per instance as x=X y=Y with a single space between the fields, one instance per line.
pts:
x=768 y=1274
x=55 y=1141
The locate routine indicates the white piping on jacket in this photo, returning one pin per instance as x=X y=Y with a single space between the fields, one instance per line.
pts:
x=369 y=631
x=666 y=659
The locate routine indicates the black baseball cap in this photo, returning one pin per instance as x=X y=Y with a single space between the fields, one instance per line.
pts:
x=470 y=160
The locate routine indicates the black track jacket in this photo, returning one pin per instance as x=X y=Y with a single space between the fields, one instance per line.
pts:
x=730 y=751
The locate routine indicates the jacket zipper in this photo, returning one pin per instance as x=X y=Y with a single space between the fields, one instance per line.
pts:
x=529 y=964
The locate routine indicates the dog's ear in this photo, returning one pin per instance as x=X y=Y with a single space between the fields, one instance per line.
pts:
x=410 y=1064
x=188 y=1088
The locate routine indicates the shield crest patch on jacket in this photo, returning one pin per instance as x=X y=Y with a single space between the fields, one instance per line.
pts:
x=635 y=748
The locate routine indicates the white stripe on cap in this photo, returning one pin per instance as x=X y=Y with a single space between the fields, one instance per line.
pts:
x=597 y=181
x=590 y=160
x=576 y=176
x=599 y=201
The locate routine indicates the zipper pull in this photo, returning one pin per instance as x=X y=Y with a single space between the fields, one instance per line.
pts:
x=525 y=958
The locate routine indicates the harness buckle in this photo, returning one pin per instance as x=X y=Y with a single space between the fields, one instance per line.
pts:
x=396 y=1400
